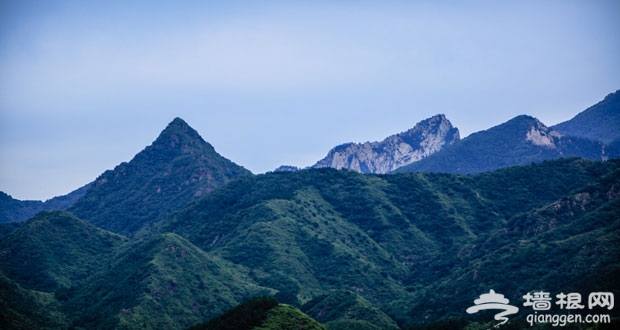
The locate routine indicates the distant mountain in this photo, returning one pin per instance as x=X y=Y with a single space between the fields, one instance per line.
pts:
x=287 y=168
x=521 y=140
x=14 y=210
x=55 y=249
x=424 y=139
x=600 y=122
x=176 y=169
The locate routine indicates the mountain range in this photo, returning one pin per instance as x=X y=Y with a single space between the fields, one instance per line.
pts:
x=14 y=210
x=521 y=140
x=180 y=235
x=346 y=248
x=592 y=134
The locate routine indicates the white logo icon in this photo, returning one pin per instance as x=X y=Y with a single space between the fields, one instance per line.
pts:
x=493 y=300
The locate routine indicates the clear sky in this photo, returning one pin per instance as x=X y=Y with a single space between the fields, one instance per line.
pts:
x=85 y=85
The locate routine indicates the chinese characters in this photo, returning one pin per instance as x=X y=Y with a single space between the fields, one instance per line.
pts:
x=541 y=301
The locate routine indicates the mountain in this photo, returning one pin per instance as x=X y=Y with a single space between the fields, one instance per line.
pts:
x=176 y=169
x=568 y=245
x=288 y=317
x=8 y=227
x=55 y=249
x=424 y=139
x=22 y=309
x=14 y=210
x=261 y=313
x=353 y=251
x=342 y=309
x=388 y=238
x=163 y=282
x=74 y=273
x=287 y=168
x=600 y=122
x=521 y=140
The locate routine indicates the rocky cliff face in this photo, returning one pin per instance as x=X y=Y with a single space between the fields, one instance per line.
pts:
x=542 y=136
x=424 y=139
x=521 y=140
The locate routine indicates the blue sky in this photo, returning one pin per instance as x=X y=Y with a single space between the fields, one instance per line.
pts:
x=85 y=85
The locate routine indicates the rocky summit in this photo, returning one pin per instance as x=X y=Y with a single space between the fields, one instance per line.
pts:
x=521 y=140
x=424 y=139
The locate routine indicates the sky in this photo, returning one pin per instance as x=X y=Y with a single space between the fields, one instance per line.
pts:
x=85 y=85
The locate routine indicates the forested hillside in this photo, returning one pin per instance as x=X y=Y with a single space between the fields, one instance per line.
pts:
x=350 y=250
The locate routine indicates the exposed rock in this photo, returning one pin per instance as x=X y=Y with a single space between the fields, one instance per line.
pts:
x=424 y=139
x=542 y=136
x=287 y=168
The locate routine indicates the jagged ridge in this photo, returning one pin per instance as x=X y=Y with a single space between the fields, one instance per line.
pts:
x=424 y=139
x=521 y=140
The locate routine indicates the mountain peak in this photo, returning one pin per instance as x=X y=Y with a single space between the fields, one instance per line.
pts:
x=178 y=167
x=424 y=139
x=523 y=119
x=179 y=125
x=600 y=122
x=179 y=135
x=521 y=140
x=437 y=123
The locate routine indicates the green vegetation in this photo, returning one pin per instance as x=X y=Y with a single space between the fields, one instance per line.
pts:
x=54 y=249
x=261 y=313
x=160 y=283
x=388 y=238
x=26 y=309
x=177 y=168
x=245 y=316
x=7 y=228
x=285 y=317
x=347 y=310
x=353 y=251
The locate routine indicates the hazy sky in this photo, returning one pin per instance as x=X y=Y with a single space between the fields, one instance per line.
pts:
x=85 y=85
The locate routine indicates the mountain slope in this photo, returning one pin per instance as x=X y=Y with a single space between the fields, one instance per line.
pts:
x=385 y=238
x=288 y=317
x=176 y=169
x=14 y=210
x=360 y=251
x=600 y=122
x=54 y=250
x=25 y=309
x=569 y=245
x=521 y=140
x=341 y=309
x=425 y=138
x=161 y=283
x=261 y=313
